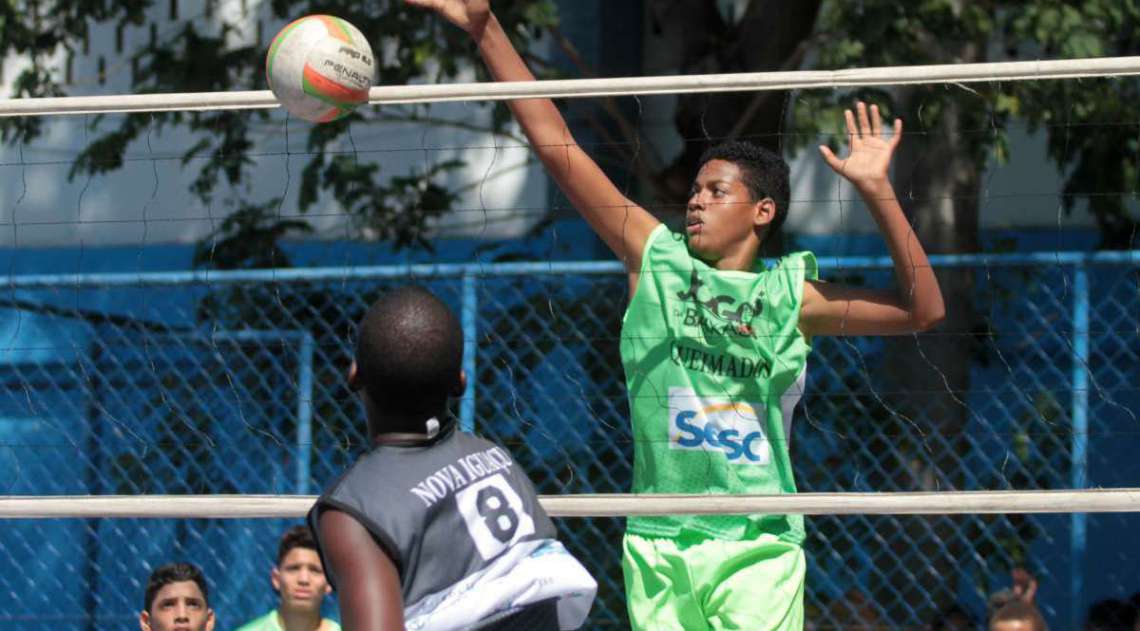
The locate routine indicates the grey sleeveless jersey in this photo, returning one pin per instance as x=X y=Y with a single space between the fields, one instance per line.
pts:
x=463 y=526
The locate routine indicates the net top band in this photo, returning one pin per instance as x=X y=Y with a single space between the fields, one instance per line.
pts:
x=614 y=505
x=583 y=88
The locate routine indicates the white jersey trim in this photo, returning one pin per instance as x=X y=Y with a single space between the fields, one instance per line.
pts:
x=789 y=400
x=527 y=573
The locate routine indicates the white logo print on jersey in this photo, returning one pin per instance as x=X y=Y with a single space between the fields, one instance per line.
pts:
x=733 y=428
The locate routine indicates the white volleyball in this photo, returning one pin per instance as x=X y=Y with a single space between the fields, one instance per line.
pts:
x=320 y=68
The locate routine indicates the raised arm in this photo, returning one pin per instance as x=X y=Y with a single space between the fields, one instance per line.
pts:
x=623 y=225
x=368 y=586
x=916 y=304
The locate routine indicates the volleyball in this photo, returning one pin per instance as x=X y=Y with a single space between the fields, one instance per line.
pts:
x=320 y=68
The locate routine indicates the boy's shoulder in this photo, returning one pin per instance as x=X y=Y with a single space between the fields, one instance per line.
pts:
x=662 y=238
x=802 y=263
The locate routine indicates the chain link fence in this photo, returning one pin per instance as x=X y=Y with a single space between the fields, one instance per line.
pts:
x=234 y=383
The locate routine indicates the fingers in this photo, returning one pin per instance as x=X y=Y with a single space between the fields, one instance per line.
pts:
x=1024 y=585
x=869 y=124
x=434 y=5
x=1020 y=579
x=852 y=131
x=864 y=122
x=431 y=5
x=865 y=126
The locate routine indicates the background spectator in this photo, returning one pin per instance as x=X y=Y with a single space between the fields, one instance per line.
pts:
x=299 y=579
x=176 y=598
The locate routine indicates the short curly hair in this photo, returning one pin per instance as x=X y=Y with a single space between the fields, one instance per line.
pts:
x=766 y=174
x=409 y=354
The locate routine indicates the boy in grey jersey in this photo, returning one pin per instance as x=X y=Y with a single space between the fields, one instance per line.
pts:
x=436 y=529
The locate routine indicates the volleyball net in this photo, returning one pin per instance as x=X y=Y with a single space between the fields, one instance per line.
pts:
x=127 y=371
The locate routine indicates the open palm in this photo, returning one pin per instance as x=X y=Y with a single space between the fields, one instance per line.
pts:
x=869 y=156
x=466 y=14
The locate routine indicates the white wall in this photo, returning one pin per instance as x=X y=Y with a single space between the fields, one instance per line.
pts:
x=1022 y=194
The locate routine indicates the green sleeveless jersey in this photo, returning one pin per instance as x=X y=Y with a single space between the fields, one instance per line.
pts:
x=714 y=363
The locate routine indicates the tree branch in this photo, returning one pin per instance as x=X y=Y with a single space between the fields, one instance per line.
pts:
x=654 y=162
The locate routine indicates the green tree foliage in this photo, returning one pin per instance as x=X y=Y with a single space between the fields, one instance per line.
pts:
x=1085 y=122
x=199 y=54
x=698 y=37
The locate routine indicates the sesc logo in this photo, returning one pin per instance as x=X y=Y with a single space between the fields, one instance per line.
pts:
x=730 y=427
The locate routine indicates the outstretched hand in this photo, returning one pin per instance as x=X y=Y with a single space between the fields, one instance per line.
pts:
x=469 y=15
x=1024 y=585
x=869 y=156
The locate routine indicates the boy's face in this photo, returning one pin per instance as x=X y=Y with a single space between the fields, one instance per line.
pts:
x=301 y=581
x=721 y=216
x=178 y=606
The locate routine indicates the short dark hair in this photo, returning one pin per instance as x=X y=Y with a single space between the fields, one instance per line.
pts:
x=409 y=353
x=766 y=174
x=164 y=575
x=298 y=536
x=1020 y=611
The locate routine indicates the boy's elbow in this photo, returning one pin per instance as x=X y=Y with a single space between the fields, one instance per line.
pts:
x=930 y=318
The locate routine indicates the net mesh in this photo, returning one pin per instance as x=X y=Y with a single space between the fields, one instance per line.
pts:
x=192 y=387
x=181 y=383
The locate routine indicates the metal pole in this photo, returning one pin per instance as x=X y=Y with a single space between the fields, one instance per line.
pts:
x=470 y=317
x=216 y=278
x=304 y=412
x=92 y=573
x=1080 y=436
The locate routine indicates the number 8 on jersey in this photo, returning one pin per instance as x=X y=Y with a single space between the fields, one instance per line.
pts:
x=494 y=515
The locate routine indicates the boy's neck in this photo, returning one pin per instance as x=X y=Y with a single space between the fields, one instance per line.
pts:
x=433 y=430
x=295 y=620
x=381 y=424
x=742 y=260
x=735 y=264
x=741 y=256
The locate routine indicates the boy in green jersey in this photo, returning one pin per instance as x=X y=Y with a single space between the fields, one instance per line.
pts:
x=299 y=579
x=714 y=347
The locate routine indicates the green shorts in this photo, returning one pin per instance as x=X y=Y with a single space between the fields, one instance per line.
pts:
x=710 y=584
